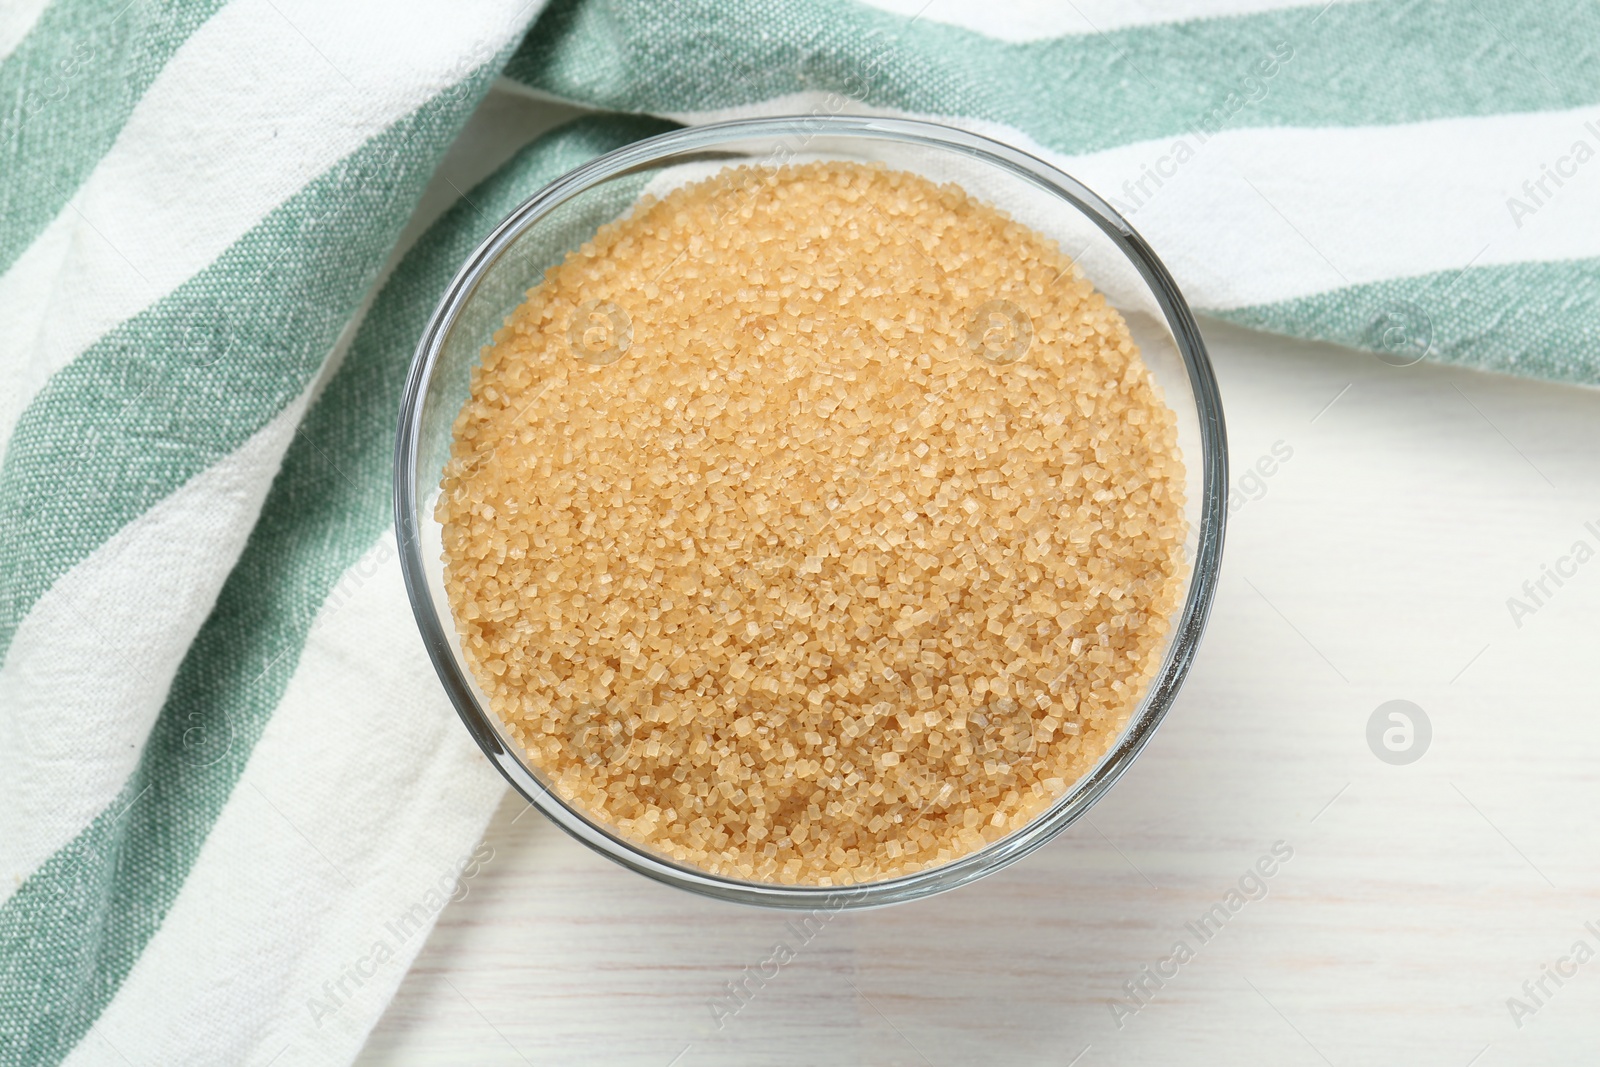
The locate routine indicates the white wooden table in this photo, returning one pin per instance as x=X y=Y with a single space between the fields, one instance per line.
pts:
x=1375 y=565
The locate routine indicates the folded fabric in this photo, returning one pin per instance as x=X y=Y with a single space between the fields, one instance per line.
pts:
x=232 y=797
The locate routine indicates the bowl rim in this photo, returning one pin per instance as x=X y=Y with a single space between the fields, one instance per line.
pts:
x=1164 y=686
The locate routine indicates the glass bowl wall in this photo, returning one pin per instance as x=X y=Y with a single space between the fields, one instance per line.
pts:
x=564 y=214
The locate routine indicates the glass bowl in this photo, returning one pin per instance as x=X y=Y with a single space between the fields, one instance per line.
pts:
x=565 y=213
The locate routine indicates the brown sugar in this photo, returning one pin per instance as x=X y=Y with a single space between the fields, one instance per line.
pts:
x=813 y=525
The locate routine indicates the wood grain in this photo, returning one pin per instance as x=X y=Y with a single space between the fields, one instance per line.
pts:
x=1376 y=565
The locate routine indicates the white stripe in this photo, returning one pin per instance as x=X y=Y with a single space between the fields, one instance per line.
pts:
x=1260 y=215
x=1274 y=214
x=1033 y=20
x=362 y=797
x=17 y=17
x=91 y=663
x=264 y=97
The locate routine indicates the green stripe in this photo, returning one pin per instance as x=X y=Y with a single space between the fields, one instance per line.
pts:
x=1536 y=319
x=72 y=932
x=1352 y=64
x=65 y=94
x=184 y=383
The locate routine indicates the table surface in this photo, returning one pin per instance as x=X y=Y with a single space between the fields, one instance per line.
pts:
x=1374 y=564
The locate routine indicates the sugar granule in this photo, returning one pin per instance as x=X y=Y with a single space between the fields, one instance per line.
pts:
x=813 y=525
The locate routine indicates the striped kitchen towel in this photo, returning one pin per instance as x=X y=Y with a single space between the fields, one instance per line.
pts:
x=232 y=797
